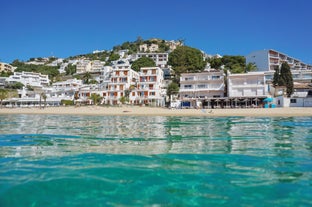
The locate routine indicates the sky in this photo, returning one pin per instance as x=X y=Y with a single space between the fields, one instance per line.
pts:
x=63 y=28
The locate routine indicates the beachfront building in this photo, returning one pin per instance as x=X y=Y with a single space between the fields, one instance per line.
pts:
x=5 y=67
x=149 y=88
x=29 y=78
x=201 y=89
x=160 y=59
x=246 y=89
x=68 y=85
x=121 y=78
x=268 y=60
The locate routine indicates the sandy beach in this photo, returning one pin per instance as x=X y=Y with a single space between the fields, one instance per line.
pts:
x=151 y=111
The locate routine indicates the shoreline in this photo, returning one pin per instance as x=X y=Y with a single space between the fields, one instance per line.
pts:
x=157 y=111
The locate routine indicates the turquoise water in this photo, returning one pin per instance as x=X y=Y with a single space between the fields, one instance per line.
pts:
x=57 y=160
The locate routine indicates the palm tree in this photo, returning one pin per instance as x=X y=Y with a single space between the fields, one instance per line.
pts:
x=251 y=67
x=86 y=77
x=44 y=96
x=95 y=98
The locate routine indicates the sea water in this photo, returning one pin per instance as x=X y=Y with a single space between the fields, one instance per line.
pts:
x=53 y=160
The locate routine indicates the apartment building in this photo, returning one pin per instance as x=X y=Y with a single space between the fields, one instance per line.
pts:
x=121 y=78
x=149 y=88
x=197 y=88
x=89 y=66
x=247 y=85
x=5 y=67
x=83 y=66
x=160 y=59
x=68 y=85
x=268 y=60
x=29 y=78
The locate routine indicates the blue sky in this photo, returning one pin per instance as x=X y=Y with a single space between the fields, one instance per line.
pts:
x=62 y=28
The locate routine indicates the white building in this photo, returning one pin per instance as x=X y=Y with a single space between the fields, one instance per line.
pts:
x=83 y=66
x=29 y=78
x=267 y=60
x=6 y=67
x=160 y=59
x=247 y=85
x=68 y=85
x=149 y=88
x=197 y=88
x=122 y=77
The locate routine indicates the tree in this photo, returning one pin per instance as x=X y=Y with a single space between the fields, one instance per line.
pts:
x=235 y=64
x=286 y=76
x=3 y=95
x=16 y=85
x=44 y=97
x=113 y=57
x=95 y=98
x=186 y=59
x=86 y=77
x=70 y=69
x=251 y=67
x=173 y=88
x=283 y=77
x=215 y=63
x=142 y=62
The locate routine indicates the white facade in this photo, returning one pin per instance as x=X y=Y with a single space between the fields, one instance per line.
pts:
x=267 y=60
x=160 y=59
x=68 y=85
x=83 y=66
x=29 y=78
x=149 y=88
x=201 y=85
x=122 y=77
x=247 y=85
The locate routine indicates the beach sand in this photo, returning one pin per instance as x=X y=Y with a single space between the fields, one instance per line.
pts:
x=154 y=111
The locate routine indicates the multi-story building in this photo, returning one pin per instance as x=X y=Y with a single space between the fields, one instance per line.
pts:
x=268 y=60
x=149 y=88
x=6 y=67
x=160 y=59
x=68 y=85
x=246 y=85
x=122 y=77
x=96 y=65
x=197 y=88
x=29 y=78
x=83 y=66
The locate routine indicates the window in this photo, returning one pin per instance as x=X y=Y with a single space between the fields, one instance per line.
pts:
x=215 y=77
x=293 y=100
x=187 y=86
x=202 y=86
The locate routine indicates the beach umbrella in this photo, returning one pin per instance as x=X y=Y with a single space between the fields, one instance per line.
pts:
x=268 y=99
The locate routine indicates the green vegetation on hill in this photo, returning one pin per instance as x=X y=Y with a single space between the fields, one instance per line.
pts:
x=51 y=71
x=93 y=56
x=235 y=64
x=143 y=62
x=134 y=47
x=186 y=59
